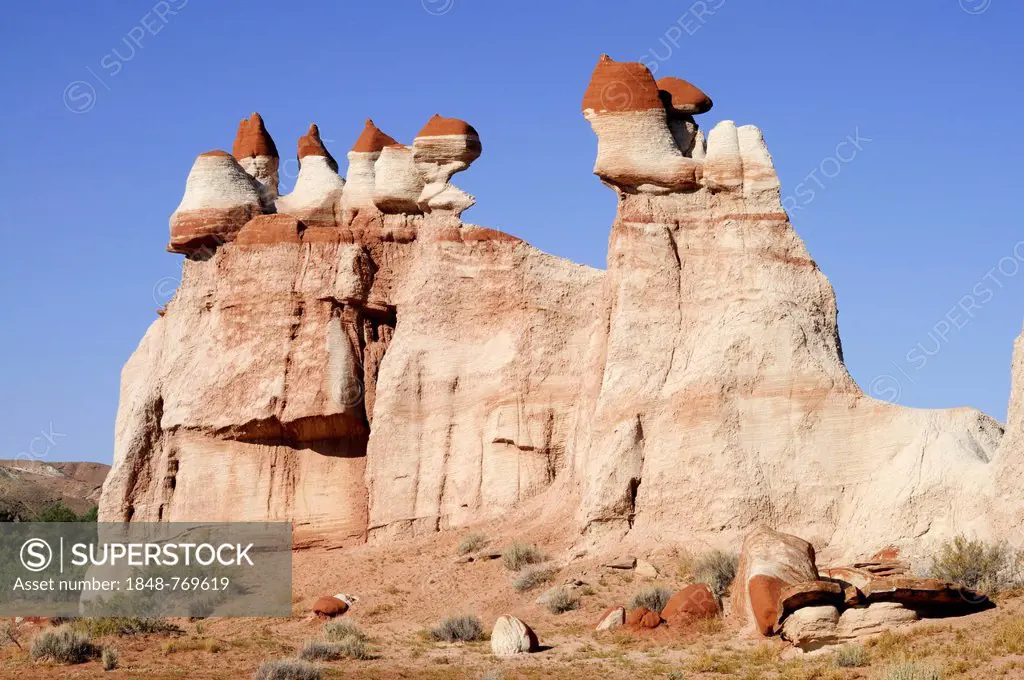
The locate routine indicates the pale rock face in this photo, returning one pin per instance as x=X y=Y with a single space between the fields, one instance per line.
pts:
x=443 y=147
x=358 y=194
x=811 y=627
x=219 y=198
x=317 y=193
x=860 y=622
x=397 y=182
x=511 y=637
x=612 y=619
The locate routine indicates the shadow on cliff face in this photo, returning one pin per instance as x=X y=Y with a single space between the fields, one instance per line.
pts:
x=341 y=435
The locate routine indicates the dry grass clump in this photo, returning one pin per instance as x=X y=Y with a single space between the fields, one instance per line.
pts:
x=562 y=600
x=851 y=656
x=911 y=671
x=654 y=599
x=63 y=645
x=110 y=658
x=287 y=669
x=716 y=568
x=471 y=543
x=529 y=579
x=519 y=555
x=458 y=629
x=336 y=631
x=989 y=567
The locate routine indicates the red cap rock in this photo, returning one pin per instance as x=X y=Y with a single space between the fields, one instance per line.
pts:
x=372 y=139
x=621 y=86
x=310 y=144
x=252 y=139
x=680 y=96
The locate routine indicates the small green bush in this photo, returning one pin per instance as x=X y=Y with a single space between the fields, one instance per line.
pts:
x=318 y=650
x=529 y=579
x=63 y=645
x=353 y=648
x=562 y=600
x=458 y=629
x=110 y=658
x=287 y=669
x=471 y=543
x=851 y=656
x=912 y=671
x=519 y=555
x=654 y=599
x=975 y=564
x=716 y=568
x=336 y=631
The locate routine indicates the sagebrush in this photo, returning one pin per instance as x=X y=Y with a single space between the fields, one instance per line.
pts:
x=125 y=626
x=471 y=543
x=110 y=658
x=912 y=671
x=529 y=579
x=563 y=600
x=654 y=599
x=287 y=669
x=519 y=555
x=989 y=567
x=63 y=645
x=716 y=568
x=458 y=629
x=851 y=656
x=336 y=631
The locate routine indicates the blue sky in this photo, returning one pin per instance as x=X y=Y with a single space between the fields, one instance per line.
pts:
x=97 y=145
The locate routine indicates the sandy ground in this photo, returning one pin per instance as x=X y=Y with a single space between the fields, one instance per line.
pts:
x=405 y=589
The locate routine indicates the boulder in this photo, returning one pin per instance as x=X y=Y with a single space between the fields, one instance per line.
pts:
x=645 y=569
x=627 y=562
x=858 y=622
x=220 y=198
x=770 y=561
x=811 y=627
x=611 y=618
x=934 y=595
x=809 y=594
x=329 y=607
x=695 y=601
x=643 y=618
x=511 y=637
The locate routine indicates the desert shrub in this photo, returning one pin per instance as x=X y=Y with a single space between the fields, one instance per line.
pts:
x=519 y=555
x=124 y=626
x=110 y=658
x=562 y=600
x=851 y=656
x=529 y=579
x=318 y=650
x=58 y=512
x=1009 y=637
x=458 y=629
x=975 y=564
x=716 y=568
x=911 y=671
x=353 y=648
x=336 y=631
x=471 y=543
x=63 y=645
x=493 y=674
x=287 y=669
x=654 y=599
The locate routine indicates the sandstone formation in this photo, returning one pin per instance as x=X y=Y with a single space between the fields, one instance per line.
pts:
x=511 y=637
x=329 y=607
x=219 y=199
x=316 y=198
x=770 y=562
x=695 y=601
x=386 y=369
x=611 y=619
x=643 y=618
x=255 y=151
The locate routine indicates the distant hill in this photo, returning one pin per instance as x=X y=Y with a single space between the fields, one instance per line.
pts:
x=28 y=486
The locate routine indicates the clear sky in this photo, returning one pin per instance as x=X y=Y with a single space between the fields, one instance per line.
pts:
x=105 y=105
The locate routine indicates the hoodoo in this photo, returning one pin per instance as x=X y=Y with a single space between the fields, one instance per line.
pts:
x=367 y=365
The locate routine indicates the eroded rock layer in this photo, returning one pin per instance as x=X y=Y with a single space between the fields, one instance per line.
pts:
x=365 y=364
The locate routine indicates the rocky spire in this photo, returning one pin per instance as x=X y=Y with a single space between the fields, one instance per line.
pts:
x=220 y=197
x=358 y=193
x=443 y=147
x=316 y=198
x=255 y=151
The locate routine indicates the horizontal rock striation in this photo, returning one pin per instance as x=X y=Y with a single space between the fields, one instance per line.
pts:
x=358 y=360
